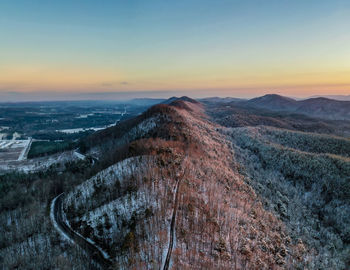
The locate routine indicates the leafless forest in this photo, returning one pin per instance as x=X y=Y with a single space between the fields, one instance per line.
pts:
x=173 y=188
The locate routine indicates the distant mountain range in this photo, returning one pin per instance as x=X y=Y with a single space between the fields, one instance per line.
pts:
x=316 y=107
x=319 y=107
x=336 y=97
x=221 y=100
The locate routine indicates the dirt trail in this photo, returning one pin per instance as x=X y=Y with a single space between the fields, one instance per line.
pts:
x=172 y=226
x=61 y=226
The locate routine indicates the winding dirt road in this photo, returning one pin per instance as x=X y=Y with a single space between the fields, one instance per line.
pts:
x=61 y=226
x=172 y=226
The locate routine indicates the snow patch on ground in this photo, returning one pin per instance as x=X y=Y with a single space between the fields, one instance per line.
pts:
x=142 y=128
x=104 y=253
x=78 y=155
x=38 y=164
x=124 y=206
x=25 y=150
x=118 y=171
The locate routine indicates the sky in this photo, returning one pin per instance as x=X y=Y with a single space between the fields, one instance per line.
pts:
x=90 y=49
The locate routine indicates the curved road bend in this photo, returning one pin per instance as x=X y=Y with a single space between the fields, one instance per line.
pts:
x=92 y=250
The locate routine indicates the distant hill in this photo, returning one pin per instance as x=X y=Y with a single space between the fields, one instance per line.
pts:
x=325 y=108
x=272 y=102
x=146 y=101
x=220 y=100
x=335 y=97
x=317 y=107
x=183 y=98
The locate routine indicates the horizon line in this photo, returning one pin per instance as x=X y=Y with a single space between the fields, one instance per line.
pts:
x=128 y=96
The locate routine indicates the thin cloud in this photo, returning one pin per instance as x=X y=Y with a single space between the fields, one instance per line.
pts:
x=107 y=84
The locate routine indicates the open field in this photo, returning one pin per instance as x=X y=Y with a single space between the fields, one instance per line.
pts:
x=14 y=149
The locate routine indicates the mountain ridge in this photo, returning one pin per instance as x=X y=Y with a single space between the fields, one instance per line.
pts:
x=183 y=143
x=190 y=185
x=317 y=107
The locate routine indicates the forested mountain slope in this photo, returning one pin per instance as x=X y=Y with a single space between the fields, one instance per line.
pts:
x=181 y=196
x=240 y=114
x=187 y=185
x=304 y=179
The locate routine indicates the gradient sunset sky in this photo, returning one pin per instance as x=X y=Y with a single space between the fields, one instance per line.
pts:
x=200 y=48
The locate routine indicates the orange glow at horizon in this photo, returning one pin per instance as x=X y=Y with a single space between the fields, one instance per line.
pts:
x=305 y=83
x=235 y=48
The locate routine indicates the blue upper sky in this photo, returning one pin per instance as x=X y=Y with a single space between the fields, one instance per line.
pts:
x=238 y=47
